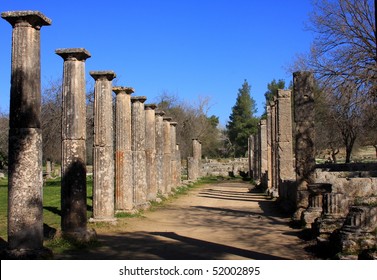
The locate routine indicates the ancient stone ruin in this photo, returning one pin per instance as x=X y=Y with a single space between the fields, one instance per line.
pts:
x=139 y=160
x=144 y=163
x=337 y=203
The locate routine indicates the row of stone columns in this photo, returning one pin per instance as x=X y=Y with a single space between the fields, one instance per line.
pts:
x=143 y=163
x=275 y=166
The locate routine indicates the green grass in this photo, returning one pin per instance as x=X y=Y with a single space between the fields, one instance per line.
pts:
x=51 y=204
x=3 y=208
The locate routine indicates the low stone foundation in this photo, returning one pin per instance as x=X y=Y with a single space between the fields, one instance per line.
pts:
x=224 y=167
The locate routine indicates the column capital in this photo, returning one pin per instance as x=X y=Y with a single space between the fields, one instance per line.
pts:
x=173 y=123
x=102 y=75
x=141 y=99
x=33 y=19
x=126 y=90
x=160 y=113
x=79 y=54
x=168 y=119
x=150 y=106
x=284 y=93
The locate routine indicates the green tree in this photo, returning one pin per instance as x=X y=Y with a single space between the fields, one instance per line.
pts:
x=272 y=90
x=242 y=122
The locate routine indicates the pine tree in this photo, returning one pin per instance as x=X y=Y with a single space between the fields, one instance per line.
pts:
x=242 y=122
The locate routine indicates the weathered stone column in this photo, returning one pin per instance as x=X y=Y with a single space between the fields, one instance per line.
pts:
x=286 y=175
x=192 y=169
x=167 y=155
x=73 y=189
x=103 y=148
x=250 y=155
x=269 y=147
x=303 y=88
x=173 y=162
x=160 y=151
x=48 y=169
x=25 y=182
x=274 y=148
x=197 y=155
x=150 y=151
x=179 y=165
x=138 y=152
x=263 y=152
x=257 y=155
x=193 y=162
x=123 y=154
x=316 y=205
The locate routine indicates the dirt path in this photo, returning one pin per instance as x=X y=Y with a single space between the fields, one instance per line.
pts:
x=217 y=221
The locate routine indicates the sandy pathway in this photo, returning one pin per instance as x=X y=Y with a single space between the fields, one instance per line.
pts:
x=217 y=221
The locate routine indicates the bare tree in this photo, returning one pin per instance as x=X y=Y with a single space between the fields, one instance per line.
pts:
x=193 y=122
x=345 y=44
x=51 y=120
x=343 y=57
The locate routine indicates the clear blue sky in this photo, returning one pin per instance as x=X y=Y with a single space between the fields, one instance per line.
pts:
x=196 y=48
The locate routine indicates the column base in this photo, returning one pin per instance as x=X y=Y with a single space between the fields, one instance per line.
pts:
x=143 y=206
x=24 y=254
x=310 y=215
x=83 y=236
x=126 y=211
x=103 y=220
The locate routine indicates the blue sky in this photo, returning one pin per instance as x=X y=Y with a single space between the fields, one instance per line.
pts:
x=193 y=49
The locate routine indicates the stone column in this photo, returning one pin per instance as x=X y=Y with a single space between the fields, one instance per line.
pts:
x=274 y=148
x=197 y=155
x=173 y=162
x=303 y=88
x=103 y=148
x=285 y=168
x=192 y=169
x=123 y=154
x=25 y=181
x=179 y=165
x=167 y=155
x=138 y=152
x=263 y=152
x=316 y=206
x=73 y=189
x=48 y=169
x=160 y=151
x=150 y=151
x=250 y=155
x=257 y=156
x=269 y=147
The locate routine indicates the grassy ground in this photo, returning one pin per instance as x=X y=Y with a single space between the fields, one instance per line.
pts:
x=51 y=204
x=52 y=208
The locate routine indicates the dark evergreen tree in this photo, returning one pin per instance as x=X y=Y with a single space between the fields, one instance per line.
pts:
x=242 y=122
x=272 y=90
